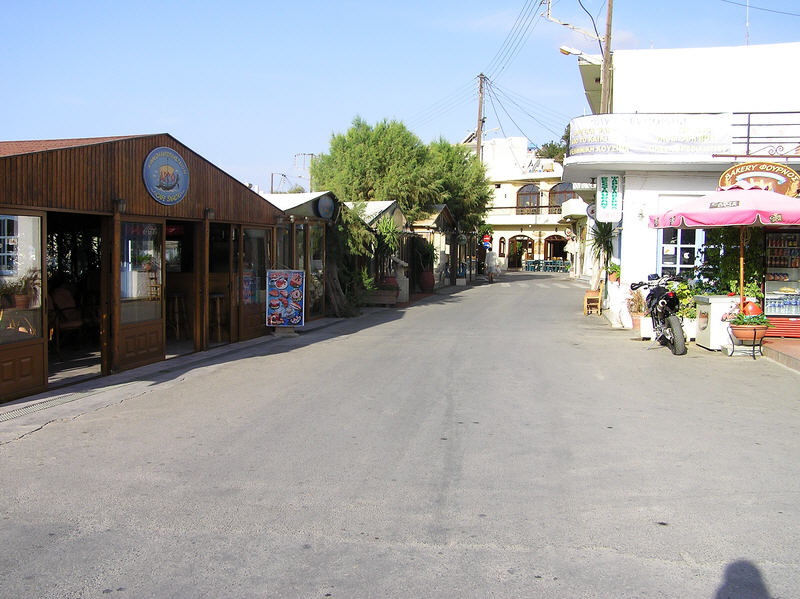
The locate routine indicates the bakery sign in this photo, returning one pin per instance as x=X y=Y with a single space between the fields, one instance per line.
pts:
x=766 y=175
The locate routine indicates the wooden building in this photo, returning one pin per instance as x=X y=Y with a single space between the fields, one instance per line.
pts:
x=125 y=250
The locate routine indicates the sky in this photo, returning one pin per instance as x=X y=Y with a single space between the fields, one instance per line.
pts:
x=256 y=87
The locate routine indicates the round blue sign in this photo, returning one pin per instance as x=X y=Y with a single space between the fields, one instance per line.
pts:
x=166 y=176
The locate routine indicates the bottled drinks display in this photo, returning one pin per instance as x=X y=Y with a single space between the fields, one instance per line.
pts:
x=782 y=284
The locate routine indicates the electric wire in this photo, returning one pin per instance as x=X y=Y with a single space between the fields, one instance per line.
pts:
x=462 y=95
x=524 y=25
x=499 y=57
x=779 y=12
x=490 y=90
x=594 y=25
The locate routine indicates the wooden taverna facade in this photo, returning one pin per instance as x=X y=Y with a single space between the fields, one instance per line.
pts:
x=122 y=251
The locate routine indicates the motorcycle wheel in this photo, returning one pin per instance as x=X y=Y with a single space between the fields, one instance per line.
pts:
x=677 y=343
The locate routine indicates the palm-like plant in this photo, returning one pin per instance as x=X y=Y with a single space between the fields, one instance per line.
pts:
x=603 y=235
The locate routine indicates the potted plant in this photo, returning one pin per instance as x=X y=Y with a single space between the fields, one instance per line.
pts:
x=748 y=327
x=688 y=309
x=637 y=309
x=426 y=256
x=22 y=292
x=614 y=272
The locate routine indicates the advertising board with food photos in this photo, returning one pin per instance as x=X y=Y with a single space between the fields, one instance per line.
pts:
x=286 y=294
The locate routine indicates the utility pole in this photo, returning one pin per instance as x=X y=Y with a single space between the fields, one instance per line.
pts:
x=304 y=156
x=605 y=90
x=479 y=130
x=271 y=175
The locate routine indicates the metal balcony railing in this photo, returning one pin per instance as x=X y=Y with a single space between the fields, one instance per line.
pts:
x=766 y=134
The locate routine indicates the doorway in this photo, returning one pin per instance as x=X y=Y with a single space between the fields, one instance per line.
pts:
x=76 y=303
x=220 y=285
x=555 y=248
x=179 y=285
x=519 y=249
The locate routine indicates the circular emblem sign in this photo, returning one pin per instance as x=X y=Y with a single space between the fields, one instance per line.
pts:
x=166 y=176
x=325 y=207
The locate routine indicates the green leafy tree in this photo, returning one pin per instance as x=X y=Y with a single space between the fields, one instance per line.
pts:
x=555 y=150
x=388 y=162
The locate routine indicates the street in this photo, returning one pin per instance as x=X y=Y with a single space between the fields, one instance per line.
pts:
x=493 y=442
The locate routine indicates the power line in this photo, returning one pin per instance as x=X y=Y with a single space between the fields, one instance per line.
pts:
x=778 y=12
x=515 y=40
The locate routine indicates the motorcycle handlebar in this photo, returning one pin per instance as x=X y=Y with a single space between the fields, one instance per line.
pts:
x=654 y=282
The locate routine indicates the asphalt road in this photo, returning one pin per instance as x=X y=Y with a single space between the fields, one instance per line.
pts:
x=489 y=443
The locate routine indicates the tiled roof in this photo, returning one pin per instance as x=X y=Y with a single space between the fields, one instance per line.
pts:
x=14 y=148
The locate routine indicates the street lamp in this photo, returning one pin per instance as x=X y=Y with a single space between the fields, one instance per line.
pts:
x=590 y=62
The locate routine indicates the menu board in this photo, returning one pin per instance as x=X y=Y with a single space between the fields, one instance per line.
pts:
x=286 y=295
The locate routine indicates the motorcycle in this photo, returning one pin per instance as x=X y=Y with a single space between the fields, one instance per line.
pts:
x=662 y=306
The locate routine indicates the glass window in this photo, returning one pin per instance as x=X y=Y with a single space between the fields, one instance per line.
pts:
x=254 y=266
x=527 y=199
x=8 y=245
x=502 y=246
x=283 y=244
x=140 y=272
x=315 y=287
x=20 y=278
x=300 y=247
x=679 y=251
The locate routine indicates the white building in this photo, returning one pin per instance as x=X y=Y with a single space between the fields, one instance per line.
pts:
x=533 y=214
x=679 y=118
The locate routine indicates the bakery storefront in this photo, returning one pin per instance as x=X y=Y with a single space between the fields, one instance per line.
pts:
x=119 y=252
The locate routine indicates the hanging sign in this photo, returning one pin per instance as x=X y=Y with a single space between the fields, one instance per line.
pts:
x=166 y=176
x=286 y=294
x=609 y=198
x=771 y=176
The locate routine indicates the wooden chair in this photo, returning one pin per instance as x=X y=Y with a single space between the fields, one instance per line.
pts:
x=593 y=300
x=63 y=315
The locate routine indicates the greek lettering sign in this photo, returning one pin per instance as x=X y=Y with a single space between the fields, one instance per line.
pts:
x=609 y=198
x=166 y=176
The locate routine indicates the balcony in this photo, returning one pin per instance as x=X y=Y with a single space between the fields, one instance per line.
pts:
x=678 y=141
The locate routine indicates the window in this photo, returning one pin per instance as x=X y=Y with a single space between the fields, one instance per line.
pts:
x=679 y=250
x=527 y=199
x=254 y=268
x=20 y=278
x=8 y=245
x=140 y=272
x=502 y=252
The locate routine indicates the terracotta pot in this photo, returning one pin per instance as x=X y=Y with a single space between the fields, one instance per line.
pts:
x=21 y=301
x=426 y=281
x=745 y=331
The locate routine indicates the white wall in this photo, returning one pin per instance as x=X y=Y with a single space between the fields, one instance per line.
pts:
x=729 y=79
x=646 y=193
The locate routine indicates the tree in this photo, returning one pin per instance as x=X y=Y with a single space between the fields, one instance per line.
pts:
x=388 y=162
x=555 y=150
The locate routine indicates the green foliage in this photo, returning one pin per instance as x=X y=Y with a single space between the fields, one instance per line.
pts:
x=367 y=282
x=556 y=150
x=614 y=268
x=425 y=253
x=387 y=236
x=686 y=293
x=720 y=268
x=389 y=162
x=602 y=242
x=749 y=319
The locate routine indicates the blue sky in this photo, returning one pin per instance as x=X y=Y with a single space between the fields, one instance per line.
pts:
x=252 y=85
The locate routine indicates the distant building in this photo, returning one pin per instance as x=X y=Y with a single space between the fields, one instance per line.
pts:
x=534 y=215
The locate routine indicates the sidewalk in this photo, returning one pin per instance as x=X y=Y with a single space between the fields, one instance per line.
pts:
x=784 y=351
